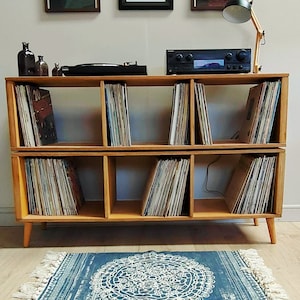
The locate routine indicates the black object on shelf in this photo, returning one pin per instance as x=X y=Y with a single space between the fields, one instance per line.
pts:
x=99 y=69
x=26 y=61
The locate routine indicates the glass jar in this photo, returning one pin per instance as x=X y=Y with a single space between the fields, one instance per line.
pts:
x=41 y=67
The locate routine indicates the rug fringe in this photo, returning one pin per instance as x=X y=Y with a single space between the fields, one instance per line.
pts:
x=263 y=275
x=42 y=274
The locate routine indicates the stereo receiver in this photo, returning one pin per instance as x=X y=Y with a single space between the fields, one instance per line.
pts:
x=212 y=61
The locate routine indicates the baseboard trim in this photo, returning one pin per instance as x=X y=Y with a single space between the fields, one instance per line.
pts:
x=290 y=213
x=7 y=216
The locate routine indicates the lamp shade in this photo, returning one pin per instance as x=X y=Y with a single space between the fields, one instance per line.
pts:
x=237 y=11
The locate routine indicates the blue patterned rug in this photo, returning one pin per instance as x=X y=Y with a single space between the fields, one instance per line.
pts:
x=230 y=275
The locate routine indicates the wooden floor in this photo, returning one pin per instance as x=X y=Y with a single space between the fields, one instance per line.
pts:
x=16 y=262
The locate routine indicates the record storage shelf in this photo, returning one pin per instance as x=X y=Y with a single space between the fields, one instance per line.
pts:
x=111 y=210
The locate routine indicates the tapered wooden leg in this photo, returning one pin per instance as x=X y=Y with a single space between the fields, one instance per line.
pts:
x=271 y=228
x=27 y=234
x=255 y=220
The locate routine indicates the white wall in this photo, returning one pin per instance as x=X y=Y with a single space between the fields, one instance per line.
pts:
x=143 y=36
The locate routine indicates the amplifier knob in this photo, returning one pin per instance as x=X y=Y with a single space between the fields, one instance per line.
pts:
x=189 y=57
x=179 y=57
x=228 y=56
x=241 y=55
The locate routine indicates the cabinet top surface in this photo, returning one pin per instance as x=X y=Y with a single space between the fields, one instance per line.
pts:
x=147 y=79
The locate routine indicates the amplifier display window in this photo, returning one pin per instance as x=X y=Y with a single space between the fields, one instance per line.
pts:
x=209 y=63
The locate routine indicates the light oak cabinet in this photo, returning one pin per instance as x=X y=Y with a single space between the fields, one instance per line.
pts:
x=147 y=146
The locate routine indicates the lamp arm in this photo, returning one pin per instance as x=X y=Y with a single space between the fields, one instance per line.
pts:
x=259 y=36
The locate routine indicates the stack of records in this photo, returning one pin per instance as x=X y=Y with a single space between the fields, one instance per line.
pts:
x=250 y=189
x=117 y=114
x=180 y=115
x=204 y=125
x=35 y=115
x=166 y=188
x=53 y=187
x=260 y=112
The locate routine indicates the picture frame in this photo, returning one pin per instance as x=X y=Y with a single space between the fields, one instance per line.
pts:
x=59 y=6
x=208 y=4
x=145 y=5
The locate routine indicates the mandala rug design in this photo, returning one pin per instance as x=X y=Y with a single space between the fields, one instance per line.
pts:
x=152 y=275
x=230 y=275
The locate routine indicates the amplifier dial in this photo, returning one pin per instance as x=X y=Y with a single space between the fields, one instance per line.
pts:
x=229 y=55
x=241 y=55
x=189 y=57
x=179 y=57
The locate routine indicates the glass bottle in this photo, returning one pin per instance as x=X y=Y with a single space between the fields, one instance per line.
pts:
x=56 y=71
x=26 y=61
x=41 y=67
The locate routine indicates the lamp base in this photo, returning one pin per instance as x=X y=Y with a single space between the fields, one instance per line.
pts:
x=257 y=68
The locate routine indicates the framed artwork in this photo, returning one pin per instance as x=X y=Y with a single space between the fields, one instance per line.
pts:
x=208 y=4
x=72 y=6
x=142 y=5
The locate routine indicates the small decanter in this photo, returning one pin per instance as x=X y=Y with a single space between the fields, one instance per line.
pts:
x=41 y=67
x=26 y=61
x=56 y=71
